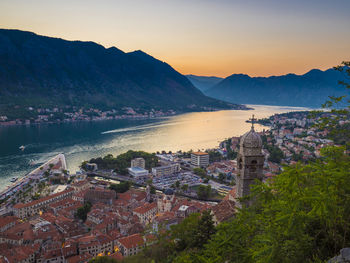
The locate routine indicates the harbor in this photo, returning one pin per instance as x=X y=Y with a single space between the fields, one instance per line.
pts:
x=31 y=179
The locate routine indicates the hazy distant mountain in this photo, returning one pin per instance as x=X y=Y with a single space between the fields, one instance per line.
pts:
x=43 y=70
x=311 y=89
x=203 y=83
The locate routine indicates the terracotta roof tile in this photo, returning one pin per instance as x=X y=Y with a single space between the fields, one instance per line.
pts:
x=145 y=208
x=21 y=205
x=200 y=153
x=224 y=210
x=5 y=220
x=131 y=241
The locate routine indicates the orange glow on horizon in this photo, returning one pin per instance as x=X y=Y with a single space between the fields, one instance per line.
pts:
x=210 y=38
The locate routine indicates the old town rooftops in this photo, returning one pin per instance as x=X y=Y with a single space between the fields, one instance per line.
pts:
x=41 y=200
x=132 y=241
x=145 y=208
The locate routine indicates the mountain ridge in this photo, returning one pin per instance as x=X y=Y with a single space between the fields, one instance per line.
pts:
x=203 y=83
x=310 y=89
x=36 y=69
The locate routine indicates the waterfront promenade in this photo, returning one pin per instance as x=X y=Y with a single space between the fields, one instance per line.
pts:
x=58 y=162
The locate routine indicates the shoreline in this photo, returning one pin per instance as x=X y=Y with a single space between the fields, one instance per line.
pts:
x=77 y=121
x=272 y=110
x=122 y=117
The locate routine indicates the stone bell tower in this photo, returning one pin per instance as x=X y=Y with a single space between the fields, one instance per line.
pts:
x=250 y=162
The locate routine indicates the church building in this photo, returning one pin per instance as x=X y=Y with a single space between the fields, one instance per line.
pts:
x=250 y=162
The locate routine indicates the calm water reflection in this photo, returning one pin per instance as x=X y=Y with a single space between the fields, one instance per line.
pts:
x=84 y=140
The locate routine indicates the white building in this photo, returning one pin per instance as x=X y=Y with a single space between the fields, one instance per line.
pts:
x=200 y=159
x=166 y=170
x=138 y=162
x=137 y=172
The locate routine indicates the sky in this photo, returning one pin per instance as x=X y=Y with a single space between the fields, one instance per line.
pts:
x=201 y=37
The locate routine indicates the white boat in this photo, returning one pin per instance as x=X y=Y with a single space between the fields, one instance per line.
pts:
x=14 y=179
x=22 y=147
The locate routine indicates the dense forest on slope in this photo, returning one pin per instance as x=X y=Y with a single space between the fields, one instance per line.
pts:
x=38 y=70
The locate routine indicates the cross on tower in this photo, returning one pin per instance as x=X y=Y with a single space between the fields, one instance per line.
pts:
x=252 y=119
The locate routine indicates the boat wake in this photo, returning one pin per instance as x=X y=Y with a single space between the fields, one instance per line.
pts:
x=143 y=127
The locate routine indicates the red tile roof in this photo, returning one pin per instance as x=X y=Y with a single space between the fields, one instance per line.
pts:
x=131 y=241
x=16 y=254
x=21 y=205
x=224 y=210
x=200 y=153
x=79 y=258
x=114 y=234
x=5 y=220
x=145 y=208
x=132 y=194
x=81 y=183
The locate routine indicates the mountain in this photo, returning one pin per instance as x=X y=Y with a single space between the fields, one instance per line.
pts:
x=203 y=83
x=40 y=70
x=308 y=90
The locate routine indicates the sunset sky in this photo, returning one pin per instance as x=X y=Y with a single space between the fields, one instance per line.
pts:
x=202 y=37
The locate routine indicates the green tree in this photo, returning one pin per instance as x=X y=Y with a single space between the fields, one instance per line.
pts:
x=276 y=154
x=222 y=177
x=36 y=196
x=103 y=259
x=231 y=154
x=200 y=172
x=193 y=232
x=122 y=187
x=203 y=192
x=122 y=161
x=214 y=156
x=153 y=190
x=83 y=211
x=205 y=229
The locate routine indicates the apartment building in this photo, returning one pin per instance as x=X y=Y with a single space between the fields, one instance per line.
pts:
x=200 y=159
x=166 y=170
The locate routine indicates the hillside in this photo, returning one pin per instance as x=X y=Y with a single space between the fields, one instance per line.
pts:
x=38 y=70
x=203 y=83
x=309 y=90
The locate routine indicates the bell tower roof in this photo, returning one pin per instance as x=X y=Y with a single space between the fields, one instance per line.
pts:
x=251 y=139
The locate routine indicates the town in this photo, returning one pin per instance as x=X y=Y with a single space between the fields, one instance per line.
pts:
x=32 y=115
x=117 y=206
